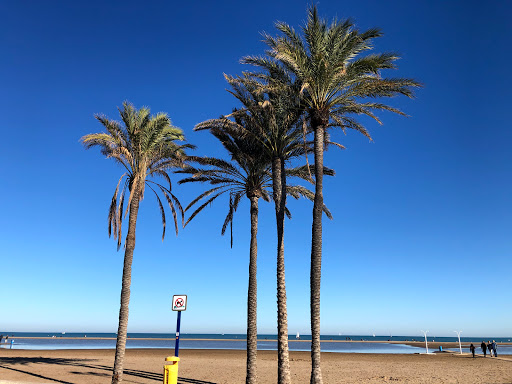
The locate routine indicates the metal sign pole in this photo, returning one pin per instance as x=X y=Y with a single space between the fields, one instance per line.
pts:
x=177 y=345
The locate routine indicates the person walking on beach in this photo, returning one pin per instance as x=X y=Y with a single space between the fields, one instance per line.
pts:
x=472 y=349
x=489 y=347
x=484 y=348
x=494 y=348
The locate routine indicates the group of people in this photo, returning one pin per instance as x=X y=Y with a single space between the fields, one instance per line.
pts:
x=491 y=347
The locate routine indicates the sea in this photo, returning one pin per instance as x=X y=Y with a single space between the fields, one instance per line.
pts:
x=329 y=343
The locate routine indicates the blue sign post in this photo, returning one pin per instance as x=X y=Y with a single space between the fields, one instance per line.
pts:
x=177 y=345
x=179 y=304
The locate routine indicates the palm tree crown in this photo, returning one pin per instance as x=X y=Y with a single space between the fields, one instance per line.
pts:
x=145 y=146
x=248 y=175
x=333 y=78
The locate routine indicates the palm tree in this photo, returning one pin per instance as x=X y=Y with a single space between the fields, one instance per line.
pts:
x=146 y=147
x=248 y=175
x=335 y=83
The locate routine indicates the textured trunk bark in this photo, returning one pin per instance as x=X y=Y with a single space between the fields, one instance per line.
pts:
x=279 y=187
x=316 y=256
x=117 y=375
x=252 y=296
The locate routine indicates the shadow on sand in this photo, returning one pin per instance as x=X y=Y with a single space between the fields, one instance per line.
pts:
x=9 y=363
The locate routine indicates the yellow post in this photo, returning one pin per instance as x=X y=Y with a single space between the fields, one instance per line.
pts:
x=171 y=370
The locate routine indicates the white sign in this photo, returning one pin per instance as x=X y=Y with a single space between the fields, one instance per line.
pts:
x=179 y=302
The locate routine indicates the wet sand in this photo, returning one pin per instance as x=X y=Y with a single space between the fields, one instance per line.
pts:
x=225 y=366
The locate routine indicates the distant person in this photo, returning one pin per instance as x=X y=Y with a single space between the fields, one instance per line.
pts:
x=494 y=348
x=484 y=348
x=489 y=347
x=1 y=337
x=472 y=349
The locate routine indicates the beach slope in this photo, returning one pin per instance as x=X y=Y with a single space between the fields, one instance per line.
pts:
x=228 y=366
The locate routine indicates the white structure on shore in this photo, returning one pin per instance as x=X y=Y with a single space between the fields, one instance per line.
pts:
x=426 y=343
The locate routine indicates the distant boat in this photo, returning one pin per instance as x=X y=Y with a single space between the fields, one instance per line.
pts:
x=298 y=336
x=374 y=335
x=63 y=333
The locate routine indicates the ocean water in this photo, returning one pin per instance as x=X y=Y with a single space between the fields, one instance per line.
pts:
x=40 y=341
x=475 y=339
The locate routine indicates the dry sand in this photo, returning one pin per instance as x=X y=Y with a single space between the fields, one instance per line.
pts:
x=224 y=366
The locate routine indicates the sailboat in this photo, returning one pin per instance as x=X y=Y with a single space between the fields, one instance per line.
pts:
x=298 y=336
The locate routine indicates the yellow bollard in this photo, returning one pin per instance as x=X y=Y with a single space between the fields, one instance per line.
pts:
x=171 y=370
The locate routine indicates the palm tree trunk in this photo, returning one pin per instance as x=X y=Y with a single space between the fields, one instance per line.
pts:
x=279 y=187
x=316 y=255
x=252 y=295
x=117 y=375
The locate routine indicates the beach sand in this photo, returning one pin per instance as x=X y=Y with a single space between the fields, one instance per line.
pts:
x=226 y=366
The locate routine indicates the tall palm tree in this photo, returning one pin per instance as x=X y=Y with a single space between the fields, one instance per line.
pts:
x=335 y=84
x=248 y=174
x=146 y=147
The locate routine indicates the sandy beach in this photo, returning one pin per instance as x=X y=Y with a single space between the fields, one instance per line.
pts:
x=227 y=366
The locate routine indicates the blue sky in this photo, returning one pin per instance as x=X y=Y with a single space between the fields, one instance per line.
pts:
x=421 y=236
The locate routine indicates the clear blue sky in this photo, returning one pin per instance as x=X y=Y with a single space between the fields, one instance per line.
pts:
x=422 y=229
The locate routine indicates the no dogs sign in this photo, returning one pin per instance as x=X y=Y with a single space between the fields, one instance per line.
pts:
x=179 y=302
